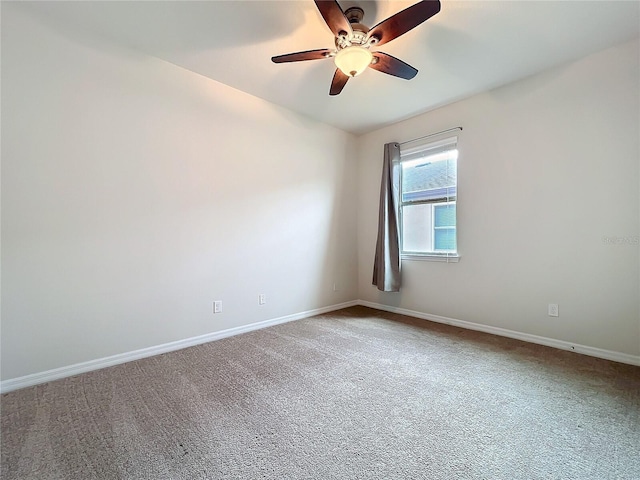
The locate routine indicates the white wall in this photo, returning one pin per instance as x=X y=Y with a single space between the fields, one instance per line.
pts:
x=548 y=172
x=134 y=193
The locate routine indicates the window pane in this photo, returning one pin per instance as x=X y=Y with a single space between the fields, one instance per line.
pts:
x=445 y=215
x=445 y=239
x=430 y=180
x=416 y=228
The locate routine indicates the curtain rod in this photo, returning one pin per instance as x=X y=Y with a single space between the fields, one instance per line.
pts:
x=431 y=135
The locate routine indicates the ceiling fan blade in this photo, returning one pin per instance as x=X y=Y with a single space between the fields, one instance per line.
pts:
x=334 y=16
x=300 y=56
x=386 y=63
x=403 y=21
x=338 y=82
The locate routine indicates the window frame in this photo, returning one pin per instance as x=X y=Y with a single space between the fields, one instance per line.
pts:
x=442 y=256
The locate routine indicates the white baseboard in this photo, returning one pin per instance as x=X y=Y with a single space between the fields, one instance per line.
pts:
x=63 y=372
x=68 y=371
x=503 y=332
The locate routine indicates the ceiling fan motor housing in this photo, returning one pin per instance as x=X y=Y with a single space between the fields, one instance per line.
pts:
x=360 y=31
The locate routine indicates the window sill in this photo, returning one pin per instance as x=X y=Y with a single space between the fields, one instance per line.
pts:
x=431 y=257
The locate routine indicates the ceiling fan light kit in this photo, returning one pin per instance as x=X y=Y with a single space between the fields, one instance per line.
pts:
x=353 y=60
x=354 y=40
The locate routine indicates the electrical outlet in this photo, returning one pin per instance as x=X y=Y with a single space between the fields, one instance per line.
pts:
x=335 y=287
x=217 y=306
x=553 y=310
x=262 y=299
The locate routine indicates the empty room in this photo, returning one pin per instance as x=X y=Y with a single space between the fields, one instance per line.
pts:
x=353 y=239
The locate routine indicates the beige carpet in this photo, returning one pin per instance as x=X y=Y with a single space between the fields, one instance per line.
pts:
x=356 y=394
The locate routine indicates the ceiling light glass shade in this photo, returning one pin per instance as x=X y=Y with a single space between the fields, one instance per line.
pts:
x=353 y=60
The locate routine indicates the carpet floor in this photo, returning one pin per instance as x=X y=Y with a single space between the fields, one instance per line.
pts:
x=354 y=394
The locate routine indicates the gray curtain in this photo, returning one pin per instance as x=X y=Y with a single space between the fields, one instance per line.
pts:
x=386 y=266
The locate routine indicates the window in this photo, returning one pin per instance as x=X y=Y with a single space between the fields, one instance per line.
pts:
x=428 y=190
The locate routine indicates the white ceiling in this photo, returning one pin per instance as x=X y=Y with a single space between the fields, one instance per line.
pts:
x=470 y=46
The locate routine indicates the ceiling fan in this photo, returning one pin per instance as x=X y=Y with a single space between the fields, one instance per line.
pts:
x=354 y=40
